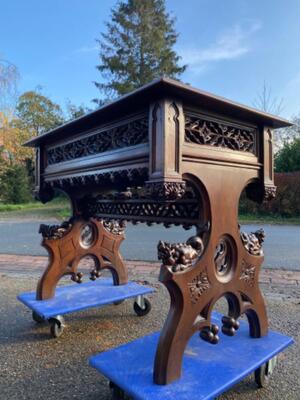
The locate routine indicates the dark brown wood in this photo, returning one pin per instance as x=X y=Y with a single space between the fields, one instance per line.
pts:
x=166 y=153
x=68 y=243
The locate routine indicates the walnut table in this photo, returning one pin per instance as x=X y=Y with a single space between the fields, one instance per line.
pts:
x=165 y=153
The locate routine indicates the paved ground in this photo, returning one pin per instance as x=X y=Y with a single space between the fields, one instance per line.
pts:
x=34 y=367
x=282 y=245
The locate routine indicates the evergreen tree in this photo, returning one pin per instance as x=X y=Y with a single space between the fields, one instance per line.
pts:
x=288 y=157
x=137 y=47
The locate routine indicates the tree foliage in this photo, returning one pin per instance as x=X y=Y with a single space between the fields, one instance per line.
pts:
x=137 y=47
x=287 y=158
x=9 y=77
x=37 y=114
x=74 y=111
x=14 y=185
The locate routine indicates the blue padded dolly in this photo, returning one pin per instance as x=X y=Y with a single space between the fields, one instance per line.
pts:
x=71 y=298
x=207 y=371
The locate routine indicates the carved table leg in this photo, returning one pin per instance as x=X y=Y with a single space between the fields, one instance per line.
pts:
x=69 y=243
x=195 y=284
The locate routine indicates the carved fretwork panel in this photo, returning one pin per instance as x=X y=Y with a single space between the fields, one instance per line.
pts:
x=212 y=132
x=138 y=205
x=124 y=135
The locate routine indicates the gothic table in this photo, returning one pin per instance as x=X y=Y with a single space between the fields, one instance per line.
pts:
x=165 y=153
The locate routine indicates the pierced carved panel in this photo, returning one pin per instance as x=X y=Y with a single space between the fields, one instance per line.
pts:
x=126 y=135
x=204 y=131
x=135 y=205
x=186 y=212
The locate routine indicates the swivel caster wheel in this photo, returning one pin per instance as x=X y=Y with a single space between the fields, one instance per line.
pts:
x=117 y=392
x=37 y=318
x=57 y=325
x=263 y=373
x=141 y=306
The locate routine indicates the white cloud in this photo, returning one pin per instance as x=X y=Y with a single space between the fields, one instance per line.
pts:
x=86 y=49
x=230 y=45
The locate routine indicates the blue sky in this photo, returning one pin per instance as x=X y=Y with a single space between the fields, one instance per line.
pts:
x=231 y=46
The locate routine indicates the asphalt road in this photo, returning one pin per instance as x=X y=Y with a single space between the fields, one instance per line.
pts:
x=282 y=244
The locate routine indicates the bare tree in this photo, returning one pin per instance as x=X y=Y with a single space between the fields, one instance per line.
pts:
x=9 y=77
x=266 y=102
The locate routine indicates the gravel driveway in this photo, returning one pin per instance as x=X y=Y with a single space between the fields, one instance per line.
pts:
x=34 y=367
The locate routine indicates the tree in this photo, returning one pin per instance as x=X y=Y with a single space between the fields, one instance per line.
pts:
x=287 y=158
x=266 y=102
x=14 y=185
x=137 y=47
x=9 y=77
x=290 y=133
x=74 y=111
x=37 y=114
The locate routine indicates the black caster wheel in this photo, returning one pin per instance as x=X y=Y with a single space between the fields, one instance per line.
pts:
x=37 y=318
x=117 y=392
x=263 y=373
x=57 y=325
x=141 y=312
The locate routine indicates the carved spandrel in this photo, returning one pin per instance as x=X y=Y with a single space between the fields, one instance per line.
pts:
x=203 y=131
x=126 y=135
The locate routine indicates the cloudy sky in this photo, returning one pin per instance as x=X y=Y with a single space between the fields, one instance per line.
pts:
x=231 y=47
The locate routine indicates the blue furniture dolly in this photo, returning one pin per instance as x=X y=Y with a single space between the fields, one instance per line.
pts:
x=207 y=370
x=72 y=298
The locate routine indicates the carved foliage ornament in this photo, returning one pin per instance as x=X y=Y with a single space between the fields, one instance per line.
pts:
x=165 y=190
x=115 y=227
x=55 y=231
x=270 y=193
x=129 y=134
x=220 y=134
x=180 y=256
x=253 y=242
x=125 y=175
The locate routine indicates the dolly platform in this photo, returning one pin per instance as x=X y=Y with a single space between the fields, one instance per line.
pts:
x=71 y=298
x=208 y=370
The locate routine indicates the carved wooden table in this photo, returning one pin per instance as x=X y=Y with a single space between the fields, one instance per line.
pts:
x=166 y=153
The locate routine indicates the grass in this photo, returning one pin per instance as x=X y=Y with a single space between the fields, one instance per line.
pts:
x=59 y=208
x=268 y=219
